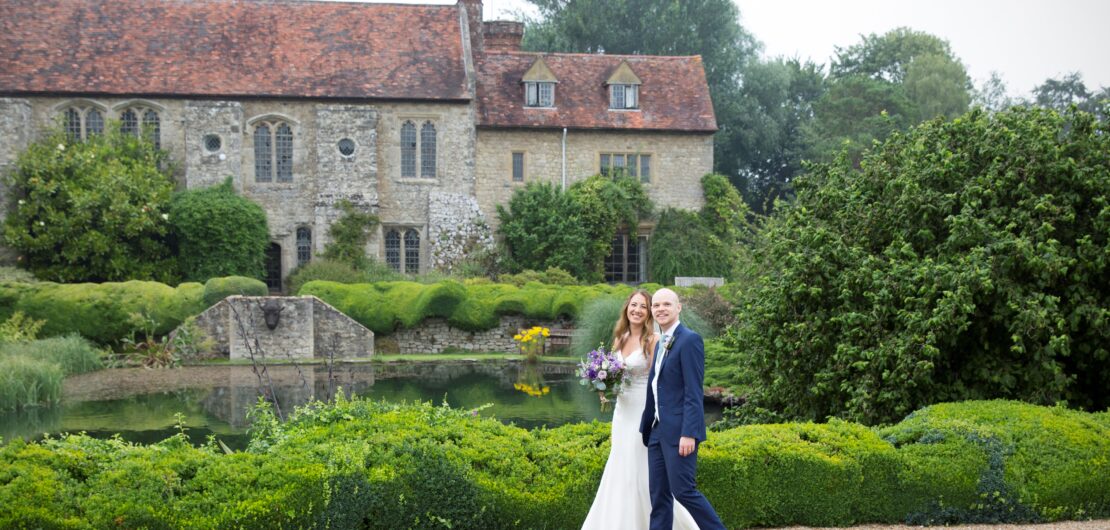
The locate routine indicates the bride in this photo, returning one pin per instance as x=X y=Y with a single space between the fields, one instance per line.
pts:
x=623 y=501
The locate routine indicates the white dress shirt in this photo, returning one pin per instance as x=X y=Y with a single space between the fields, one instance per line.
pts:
x=661 y=351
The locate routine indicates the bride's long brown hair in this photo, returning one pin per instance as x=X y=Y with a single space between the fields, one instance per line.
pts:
x=624 y=326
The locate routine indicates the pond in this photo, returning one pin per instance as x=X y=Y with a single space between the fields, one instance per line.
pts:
x=143 y=405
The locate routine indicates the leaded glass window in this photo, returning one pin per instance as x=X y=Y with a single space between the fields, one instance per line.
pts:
x=73 y=124
x=547 y=94
x=627 y=259
x=624 y=96
x=537 y=94
x=626 y=164
x=283 y=146
x=393 y=249
x=428 y=150
x=152 y=128
x=304 y=245
x=129 y=123
x=616 y=96
x=263 y=154
x=412 y=251
x=408 y=149
x=94 y=123
x=518 y=167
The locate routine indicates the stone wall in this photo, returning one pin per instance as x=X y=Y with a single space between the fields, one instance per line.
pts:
x=307 y=328
x=678 y=162
x=15 y=125
x=434 y=335
x=456 y=229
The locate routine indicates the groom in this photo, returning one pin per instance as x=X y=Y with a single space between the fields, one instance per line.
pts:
x=673 y=421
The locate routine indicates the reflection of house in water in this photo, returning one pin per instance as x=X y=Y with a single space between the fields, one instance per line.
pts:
x=293 y=387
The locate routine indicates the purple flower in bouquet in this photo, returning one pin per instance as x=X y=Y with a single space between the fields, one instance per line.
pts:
x=603 y=372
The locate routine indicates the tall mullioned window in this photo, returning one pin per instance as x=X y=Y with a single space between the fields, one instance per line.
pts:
x=402 y=249
x=304 y=245
x=428 y=150
x=408 y=149
x=273 y=152
x=82 y=122
x=151 y=127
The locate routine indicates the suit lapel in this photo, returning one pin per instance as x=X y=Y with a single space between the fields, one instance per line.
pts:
x=677 y=331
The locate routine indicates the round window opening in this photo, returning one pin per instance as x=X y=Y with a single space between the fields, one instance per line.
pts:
x=212 y=143
x=346 y=147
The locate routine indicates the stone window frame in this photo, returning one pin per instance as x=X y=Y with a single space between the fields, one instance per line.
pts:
x=419 y=160
x=637 y=171
x=272 y=171
x=303 y=242
x=407 y=259
x=523 y=166
x=81 y=109
x=142 y=110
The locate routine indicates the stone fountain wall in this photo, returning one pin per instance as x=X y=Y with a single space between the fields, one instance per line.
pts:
x=307 y=328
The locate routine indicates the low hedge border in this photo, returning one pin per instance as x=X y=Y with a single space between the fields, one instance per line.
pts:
x=360 y=463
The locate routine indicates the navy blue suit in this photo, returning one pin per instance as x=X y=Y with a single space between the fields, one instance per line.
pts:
x=681 y=413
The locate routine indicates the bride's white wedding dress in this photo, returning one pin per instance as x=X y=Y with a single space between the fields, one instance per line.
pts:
x=623 y=501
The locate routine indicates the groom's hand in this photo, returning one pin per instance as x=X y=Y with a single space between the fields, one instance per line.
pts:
x=685 y=446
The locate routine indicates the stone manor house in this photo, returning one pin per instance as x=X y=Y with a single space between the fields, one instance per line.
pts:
x=422 y=114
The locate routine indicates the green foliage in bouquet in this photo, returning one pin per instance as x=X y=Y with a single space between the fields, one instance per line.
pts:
x=218 y=233
x=963 y=259
x=94 y=210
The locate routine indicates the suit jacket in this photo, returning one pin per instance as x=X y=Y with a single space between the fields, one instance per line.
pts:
x=681 y=397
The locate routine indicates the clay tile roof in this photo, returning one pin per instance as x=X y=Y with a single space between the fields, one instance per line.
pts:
x=232 y=48
x=673 y=97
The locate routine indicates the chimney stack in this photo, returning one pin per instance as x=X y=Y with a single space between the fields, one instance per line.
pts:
x=502 y=35
x=474 y=21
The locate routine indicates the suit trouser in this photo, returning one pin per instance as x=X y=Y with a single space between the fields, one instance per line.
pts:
x=671 y=478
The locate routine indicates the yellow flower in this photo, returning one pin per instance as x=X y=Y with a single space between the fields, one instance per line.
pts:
x=546 y=332
x=516 y=337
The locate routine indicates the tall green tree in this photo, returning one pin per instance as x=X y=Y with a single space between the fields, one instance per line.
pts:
x=1061 y=93
x=775 y=105
x=992 y=95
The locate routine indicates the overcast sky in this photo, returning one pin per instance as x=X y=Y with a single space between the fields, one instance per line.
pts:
x=1025 y=41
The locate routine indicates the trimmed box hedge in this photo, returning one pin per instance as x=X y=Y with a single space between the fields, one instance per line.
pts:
x=379 y=465
x=384 y=307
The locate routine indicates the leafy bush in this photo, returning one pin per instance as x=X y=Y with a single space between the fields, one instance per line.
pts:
x=708 y=303
x=366 y=464
x=324 y=269
x=682 y=245
x=964 y=259
x=540 y=229
x=348 y=236
x=552 y=276
x=19 y=328
x=218 y=233
x=92 y=210
x=605 y=204
x=102 y=312
x=217 y=289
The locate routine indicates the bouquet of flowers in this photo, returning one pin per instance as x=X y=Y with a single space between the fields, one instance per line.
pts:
x=604 y=372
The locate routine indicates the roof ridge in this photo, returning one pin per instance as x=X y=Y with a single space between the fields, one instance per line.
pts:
x=580 y=54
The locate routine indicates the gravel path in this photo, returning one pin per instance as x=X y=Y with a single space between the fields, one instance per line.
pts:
x=1102 y=524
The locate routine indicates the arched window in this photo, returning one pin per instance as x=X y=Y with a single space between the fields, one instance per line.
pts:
x=304 y=245
x=263 y=154
x=412 y=251
x=94 y=123
x=428 y=150
x=152 y=128
x=80 y=122
x=393 y=249
x=273 y=152
x=73 y=124
x=408 y=149
x=129 y=122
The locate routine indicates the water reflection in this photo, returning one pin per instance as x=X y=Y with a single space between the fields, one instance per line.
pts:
x=141 y=404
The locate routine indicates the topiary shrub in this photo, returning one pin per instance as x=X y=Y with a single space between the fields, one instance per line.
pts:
x=326 y=270
x=94 y=210
x=103 y=313
x=217 y=289
x=218 y=233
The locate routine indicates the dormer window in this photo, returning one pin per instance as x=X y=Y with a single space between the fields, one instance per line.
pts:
x=539 y=94
x=624 y=96
x=539 y=85
x=624 y=88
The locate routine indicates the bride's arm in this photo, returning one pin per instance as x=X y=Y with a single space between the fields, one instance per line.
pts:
x=650 y=353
